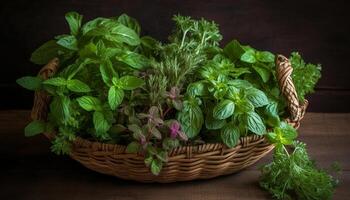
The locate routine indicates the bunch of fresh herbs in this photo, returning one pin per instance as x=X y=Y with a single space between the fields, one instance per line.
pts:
x=116 y=86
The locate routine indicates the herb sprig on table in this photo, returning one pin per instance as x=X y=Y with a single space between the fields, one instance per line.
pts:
x=116 y=86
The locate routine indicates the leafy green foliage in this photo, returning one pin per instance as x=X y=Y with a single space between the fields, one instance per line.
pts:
x=116 y=86
x=34 y=128
x=30 y=82
x=295 y=176
x=305 y=76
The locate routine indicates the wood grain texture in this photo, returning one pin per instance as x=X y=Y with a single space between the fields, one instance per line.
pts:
x=318 y=29
x=30 y=171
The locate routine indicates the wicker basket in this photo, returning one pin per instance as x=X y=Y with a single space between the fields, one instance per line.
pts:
x=185 y=163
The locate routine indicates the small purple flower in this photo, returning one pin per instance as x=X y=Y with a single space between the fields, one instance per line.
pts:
x=175 y=131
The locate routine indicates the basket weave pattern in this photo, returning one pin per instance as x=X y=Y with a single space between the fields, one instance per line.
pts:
x=185 y=163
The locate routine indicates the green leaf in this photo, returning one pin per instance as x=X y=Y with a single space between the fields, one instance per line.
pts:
x=233 y=50
x=46 y=52
x=170 y=143
x=88 y=51
x=134 y=60
x=74 y=22
x=125 y=34
x=129 y=22
x=60 y=108
x=230 y=135
x=77 y=86
x=213 y=124
x=89 y=103
x=156 y=166
x=69 y=42
x=30 y=82
x=263 y=72
x=255 y=123
x=101 y=124
x=107 y=72
x=191 y=119
x=248 y=56
x=271 y=111
x=115 y=97
x=197 y=89
x=130 y=82
x=257 y=97
x=133 y=147
x=57 y=81
x=224 y=109
x=265 y=56
x=34 y=128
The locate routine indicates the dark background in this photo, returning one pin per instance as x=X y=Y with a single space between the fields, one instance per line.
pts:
x=319 y=30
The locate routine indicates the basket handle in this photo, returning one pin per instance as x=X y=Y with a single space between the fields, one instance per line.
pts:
x=41 y=98
x=284 y=71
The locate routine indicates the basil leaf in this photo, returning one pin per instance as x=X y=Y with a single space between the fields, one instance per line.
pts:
x=130 y=82
x=60 y=108
x=34 y=128
x=89 y=103
x=230 y=135
x=265 y=56
x=77 y=86
x=134 y=60
x=224 y=109
x=257 y=97
x=121 y=33
x=248 y=56
x=255 y=123
x=30 y=82
x=115 y=97
x=69 y=42
x=74 y=22
x=101 y=124
x=57 y=81
x=263 y=72
x=130 y=23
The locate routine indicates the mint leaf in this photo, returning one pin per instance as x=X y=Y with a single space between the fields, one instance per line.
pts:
x=34 y=128
x=257 y=97
x=130 y=82
x=89 y=103
x=101 y=124
x=133 y=147
x=57 y=81
x=224 y=109
x=69 y=42
x=213 y=124
x=230 y=135
x=30 y=82
x=265 y=56
x=77 y=86
x=248 y=56
x=115 y=97
x=74 y=22
x=191 y=119
x=255 y=123
x=46 y=52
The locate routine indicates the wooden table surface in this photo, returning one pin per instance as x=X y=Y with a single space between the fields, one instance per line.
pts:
x=30 y=171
